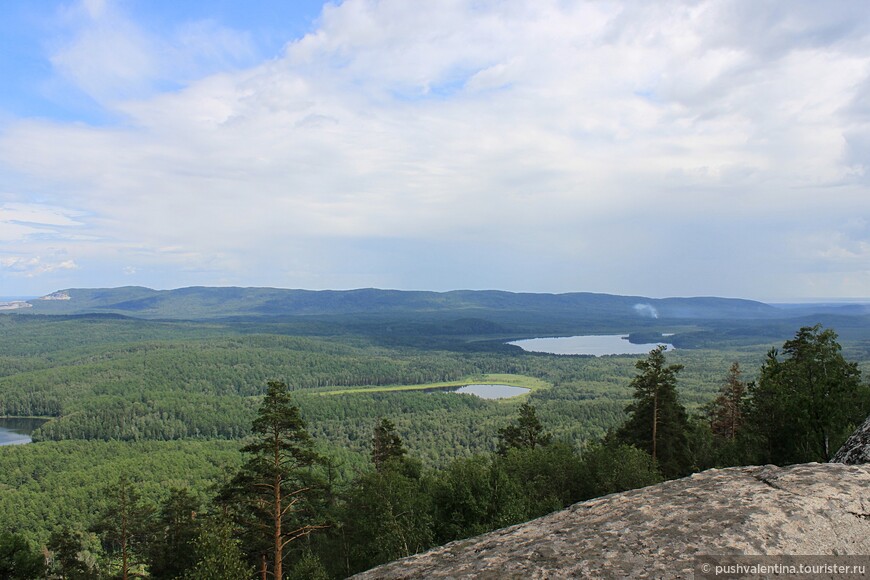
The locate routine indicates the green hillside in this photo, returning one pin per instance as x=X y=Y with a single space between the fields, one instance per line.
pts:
x=210 y=303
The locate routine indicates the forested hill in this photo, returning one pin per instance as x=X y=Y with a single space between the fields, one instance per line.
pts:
x=205 y=302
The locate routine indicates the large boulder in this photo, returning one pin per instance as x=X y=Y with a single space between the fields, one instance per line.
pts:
x=856 y=449
x=659 y=531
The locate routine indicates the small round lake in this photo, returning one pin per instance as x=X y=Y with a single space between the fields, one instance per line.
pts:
x=17 y=430
x=487 y=391
x=597 y=345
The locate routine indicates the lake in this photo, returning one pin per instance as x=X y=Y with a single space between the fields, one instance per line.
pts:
x=486 y=391
x=597 y=345
x=17 y=430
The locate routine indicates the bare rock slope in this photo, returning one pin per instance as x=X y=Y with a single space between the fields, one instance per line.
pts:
x=856 y=450
x=658 y=531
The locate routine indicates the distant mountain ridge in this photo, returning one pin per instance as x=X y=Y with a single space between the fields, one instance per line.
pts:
x=223 y=302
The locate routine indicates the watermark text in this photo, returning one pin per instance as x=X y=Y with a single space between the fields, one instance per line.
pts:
x=803 y=567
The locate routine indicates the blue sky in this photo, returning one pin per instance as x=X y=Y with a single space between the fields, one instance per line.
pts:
x=712 y=147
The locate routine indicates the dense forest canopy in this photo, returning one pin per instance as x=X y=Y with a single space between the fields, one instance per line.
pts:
x=170 y=403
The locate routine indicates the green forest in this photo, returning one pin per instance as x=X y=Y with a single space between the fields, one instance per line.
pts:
x=159 y=433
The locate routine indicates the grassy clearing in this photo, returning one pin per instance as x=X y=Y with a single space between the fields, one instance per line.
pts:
x=501 y=379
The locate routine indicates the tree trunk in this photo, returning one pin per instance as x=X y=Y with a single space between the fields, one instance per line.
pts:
x=279 y=513
x=279 y=571
x=124 y=558
x=655 y=421
x=124 y=538
x=733 y=420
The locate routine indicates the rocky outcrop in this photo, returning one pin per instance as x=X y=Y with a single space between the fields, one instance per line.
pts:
x=59 y=295
x=856 y=449
x=658 y=531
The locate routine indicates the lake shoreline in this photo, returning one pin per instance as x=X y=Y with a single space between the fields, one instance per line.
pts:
x=18 y=430
x=589 y=345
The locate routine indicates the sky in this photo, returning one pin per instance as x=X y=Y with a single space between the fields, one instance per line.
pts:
x=696 y=148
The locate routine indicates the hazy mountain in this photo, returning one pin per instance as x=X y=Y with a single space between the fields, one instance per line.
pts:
x=207 y=302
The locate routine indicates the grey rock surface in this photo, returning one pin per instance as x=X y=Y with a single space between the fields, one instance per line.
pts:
x=856 y=449
x=658 y=531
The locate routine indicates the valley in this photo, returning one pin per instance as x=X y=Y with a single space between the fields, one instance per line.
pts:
x=170 y=399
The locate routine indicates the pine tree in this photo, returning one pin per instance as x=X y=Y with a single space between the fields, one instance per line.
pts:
x=726 y=412
x=657 y=422
x=526 y=433
x=386 y=445
x=172 y=551
x=124 y=525
x=275 y=486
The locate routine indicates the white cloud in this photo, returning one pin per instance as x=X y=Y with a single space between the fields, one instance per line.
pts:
x=30 y=266
x=107 y=57
x=598 y=133
x=113 y=58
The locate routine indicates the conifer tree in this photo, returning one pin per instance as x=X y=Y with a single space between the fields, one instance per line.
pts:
x=275 y=485
x=526 y=433
x=657 y=422
x=805 y=405
x=386 y=444
x=726 y=412
x=177 y=527
x=125 y=523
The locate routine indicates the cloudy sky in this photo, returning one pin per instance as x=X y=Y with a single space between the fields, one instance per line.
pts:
x=708 y=147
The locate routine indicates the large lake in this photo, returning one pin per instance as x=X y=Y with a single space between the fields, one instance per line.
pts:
x=487 y=391
x=597 y=345
x=16 y=431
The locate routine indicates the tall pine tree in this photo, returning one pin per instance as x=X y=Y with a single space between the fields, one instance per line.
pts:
x=657 y=422
x=275 y=486
x=726 y=412
x=125 y=524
